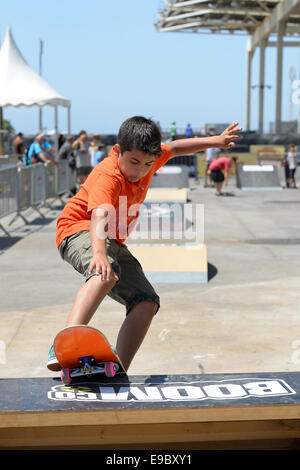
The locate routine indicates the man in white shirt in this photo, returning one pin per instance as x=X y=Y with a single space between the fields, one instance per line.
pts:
x=292 y=165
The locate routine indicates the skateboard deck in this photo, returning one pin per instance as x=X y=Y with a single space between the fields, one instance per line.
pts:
x=83 y=351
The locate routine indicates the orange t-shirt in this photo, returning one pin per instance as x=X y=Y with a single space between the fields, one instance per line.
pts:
x=106 y=185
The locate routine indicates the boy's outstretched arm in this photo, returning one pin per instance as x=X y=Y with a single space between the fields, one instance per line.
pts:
x=197 y=144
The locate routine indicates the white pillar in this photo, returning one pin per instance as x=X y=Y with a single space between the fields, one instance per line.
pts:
x=261 y=87
x=1 y=133
x=69 y=120
x=40 y=120
x=280 y=34
x=56 y=129
x=248 y=97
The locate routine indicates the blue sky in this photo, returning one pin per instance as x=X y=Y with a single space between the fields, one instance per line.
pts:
x=106 y=57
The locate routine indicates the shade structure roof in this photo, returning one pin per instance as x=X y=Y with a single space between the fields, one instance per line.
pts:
x=223 y=16
x=20 y=85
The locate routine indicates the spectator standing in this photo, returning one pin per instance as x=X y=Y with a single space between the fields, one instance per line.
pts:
x=99 y=155
x=83 y=161
x=93 y=148
x=66 y=152
x=189 y=131
x=173 y=130
x=18 y=144
x=61 y=140
x=292 y=166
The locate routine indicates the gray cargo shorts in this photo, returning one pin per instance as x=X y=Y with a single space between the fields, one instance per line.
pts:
x=132 y=288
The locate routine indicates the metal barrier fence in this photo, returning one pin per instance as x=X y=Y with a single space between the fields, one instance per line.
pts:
x=8 y=191
x=23 y=187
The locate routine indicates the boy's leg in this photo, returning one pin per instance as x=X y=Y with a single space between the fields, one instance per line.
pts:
x=78 y=253
x=142 y=303
x=134 y=329
x=88 y=299
x=132 y=290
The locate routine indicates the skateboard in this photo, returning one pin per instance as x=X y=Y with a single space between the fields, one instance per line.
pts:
x=84 y=351
x=226 y=194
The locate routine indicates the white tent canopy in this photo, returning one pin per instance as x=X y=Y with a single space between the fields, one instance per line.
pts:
x=20 y=85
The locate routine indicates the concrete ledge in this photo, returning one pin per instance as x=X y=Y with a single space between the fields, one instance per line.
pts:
x=167 y=195
x=172 y=264
x=168 y=277
x=192 y=411
x=262 y=188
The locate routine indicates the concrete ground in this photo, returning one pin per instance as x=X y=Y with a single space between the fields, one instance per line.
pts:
x=245 y=319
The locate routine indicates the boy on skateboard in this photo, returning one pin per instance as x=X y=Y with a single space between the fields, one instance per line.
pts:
x=93 y=227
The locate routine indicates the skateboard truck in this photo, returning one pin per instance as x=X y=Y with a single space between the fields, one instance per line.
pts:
x=88 y=363
x=89 y=366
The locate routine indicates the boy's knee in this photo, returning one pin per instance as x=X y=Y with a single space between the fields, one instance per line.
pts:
x=103 y=282
x=150 y=307
x=147 y=308
x=108 y=283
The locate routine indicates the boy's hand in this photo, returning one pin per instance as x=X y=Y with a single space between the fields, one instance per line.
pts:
x=102 y=267
x=227 y=136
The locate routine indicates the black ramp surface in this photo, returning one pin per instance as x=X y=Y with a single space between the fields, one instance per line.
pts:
x=142 y=392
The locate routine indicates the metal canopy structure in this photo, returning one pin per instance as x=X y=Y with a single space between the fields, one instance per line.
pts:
x=262 y=20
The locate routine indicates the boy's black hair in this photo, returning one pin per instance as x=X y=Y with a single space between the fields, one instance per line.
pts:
x=140 y=133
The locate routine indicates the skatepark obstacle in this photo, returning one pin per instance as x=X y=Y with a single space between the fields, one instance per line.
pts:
x=228 y=411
